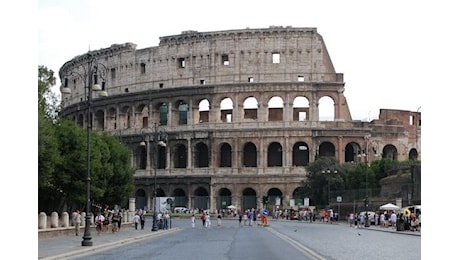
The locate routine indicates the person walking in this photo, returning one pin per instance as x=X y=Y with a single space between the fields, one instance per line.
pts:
x=203 y=218
x=166 y=220
x=77 y=221
x=99 y=222
x=193 y=220
x=115 y=221
x=351 y=219
x=208 y=220
x=136 y=220
x=219 y=219
x=142 y=218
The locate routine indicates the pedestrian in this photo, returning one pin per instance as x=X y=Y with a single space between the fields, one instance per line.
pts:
x=159 y=220
x=99 y=222
x=350 y=219
x=115 y=220
x=245 y=218
x=208 y=220
x=219 y=219
x=193 y=220
x=142 y=217
x=136 y=220
x=166 y=220
x=356 y=219
x=77 y=221
x=382 y=219
x=240 y=218
x=250 y=215
x=120 y=219
x=393 y=219
x=203 y=218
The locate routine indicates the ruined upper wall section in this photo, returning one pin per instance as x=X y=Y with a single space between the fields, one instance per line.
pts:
x=275 y=55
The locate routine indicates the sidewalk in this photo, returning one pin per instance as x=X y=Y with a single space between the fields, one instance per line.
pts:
x=62 y=247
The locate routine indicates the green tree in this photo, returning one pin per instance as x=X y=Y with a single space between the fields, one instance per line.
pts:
x=323 y=175
x=121 y=179
x=62 y=159
x=48 y=153
x=48 y=101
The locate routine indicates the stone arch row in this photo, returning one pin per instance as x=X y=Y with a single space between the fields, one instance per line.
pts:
x=197 y=110
x=300 y=154
x=201 y=198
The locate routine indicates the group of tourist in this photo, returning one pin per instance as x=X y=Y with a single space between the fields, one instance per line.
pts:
x=390 y=218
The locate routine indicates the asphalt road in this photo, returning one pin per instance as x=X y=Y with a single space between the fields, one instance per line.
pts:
x=281 y=240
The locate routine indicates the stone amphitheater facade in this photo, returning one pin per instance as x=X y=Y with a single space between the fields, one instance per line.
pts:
x=241 y=110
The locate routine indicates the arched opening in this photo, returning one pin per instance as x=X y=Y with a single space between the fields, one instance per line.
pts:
x=275 y=109
x=249 y=155
x=250 y=106
x=141 y=199
x=180 y=156
x=225 y=155
x=326 y=149
x=201 y=199
x=301 y=110
x=351 y=152
x=390 y=152
x=275 y=155
x=201 y=155
x=203 y=108
x=180 y=200
x=300 y=154
x=226 y=110
x=326 y=109
x=224 y=199
x=249 y=199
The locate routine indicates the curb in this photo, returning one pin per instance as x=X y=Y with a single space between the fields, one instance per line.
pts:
x=92 y=249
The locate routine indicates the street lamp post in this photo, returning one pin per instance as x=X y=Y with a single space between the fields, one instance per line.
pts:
x=91 y=72
x=328 y=171
x=364 y=155
x=159 y=139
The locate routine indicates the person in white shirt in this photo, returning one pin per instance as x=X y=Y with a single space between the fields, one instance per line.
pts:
x=208 y=220
x=393 y=219
x=136 y=220
x=351 y=219
x=77 y=221
x=99 y=222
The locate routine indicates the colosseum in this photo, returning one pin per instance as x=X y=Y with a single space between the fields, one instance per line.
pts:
x=228 y=117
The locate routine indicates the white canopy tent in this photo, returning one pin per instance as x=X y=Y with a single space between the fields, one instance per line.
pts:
x=389 y=206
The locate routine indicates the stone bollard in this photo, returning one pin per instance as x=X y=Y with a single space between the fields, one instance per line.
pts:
x=42 y=220
x=125 y=216
x=54 y=220
x=65 y=219
x=132 y=209
x=132 y=204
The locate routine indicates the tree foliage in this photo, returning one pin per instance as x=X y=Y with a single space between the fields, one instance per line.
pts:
x=48 y=104
x=325 y=174
x=63 y=164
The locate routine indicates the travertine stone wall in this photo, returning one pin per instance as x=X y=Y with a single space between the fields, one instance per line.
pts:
x=185 y=69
